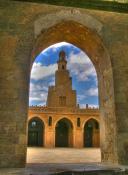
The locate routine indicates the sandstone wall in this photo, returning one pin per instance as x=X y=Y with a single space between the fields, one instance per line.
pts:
x=17 y=37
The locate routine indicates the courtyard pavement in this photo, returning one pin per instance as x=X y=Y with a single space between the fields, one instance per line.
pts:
x=43 y=161
x=63 y=155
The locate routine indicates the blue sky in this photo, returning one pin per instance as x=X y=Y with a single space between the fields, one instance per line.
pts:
x=82 y=71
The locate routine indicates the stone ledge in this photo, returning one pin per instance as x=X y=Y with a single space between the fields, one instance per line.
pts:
x=95 y=4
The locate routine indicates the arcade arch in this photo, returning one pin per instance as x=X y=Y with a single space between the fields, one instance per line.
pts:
x=35 y=132
x=89 y=41
x=91 y=134
x=64 y=133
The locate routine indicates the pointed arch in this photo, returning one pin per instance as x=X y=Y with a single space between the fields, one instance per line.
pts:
x=90 y=42
x=91 y=134
x=64 y=133
x=35 y=132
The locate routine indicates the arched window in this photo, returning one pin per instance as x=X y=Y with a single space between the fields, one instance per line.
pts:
x=63 y=67
x=78 y=122
x=33 y=124
x=50 y=121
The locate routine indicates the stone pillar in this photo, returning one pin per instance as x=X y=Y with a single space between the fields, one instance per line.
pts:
x=78 y=138
x=49 y=137
x=14 y=88
x=96 y=138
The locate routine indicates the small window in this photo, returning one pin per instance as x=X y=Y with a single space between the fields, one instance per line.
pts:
x=62 y=101
x=63 y=67
x=33 y=124
x=78 y=122
x=50 y=121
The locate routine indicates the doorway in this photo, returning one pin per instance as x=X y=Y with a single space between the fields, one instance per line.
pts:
x=91 y=134
x=64 y=133
x=35 y=132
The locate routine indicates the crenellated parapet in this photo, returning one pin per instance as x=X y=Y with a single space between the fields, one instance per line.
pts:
x=45 y=109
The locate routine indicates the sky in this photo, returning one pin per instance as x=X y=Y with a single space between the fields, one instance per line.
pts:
x=82 y=71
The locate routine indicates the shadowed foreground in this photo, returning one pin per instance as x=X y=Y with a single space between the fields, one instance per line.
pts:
x=64 y=161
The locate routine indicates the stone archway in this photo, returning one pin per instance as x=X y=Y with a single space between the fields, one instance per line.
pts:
x=91 y=133
x=90 y=42
x=64 y=133
x=35 y=132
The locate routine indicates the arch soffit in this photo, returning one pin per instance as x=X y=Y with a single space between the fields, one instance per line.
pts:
x=45 y=22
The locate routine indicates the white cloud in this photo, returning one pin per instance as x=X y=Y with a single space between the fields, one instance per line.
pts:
x=55 y=46
x=80 y=58
x=92 y=92
x=38 y=93
x=38 y=87
x=38 y=97
x=40 y=71
x=81 y=66
x=81 y=97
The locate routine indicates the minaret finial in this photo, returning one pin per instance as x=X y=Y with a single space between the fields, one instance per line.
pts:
x=62 y=62
x=62 y=55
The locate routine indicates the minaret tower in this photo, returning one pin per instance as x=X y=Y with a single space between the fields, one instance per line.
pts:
x=62 y=95
x=62 y=74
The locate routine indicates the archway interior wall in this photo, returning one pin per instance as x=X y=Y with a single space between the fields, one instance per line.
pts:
x=91 y=43
x=72 y=15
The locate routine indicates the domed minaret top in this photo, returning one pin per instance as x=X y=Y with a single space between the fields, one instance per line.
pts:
x=62 y=55
x=62 y=61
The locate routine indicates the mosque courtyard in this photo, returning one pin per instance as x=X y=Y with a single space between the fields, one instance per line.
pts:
x=63 y=155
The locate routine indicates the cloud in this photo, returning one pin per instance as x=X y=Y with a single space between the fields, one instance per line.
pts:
x=38 y=92
x=80 y=65
x=81 y=97
x=38 y=87
x=38 y=97
x=55 y=47
x=92 y=92
x=40 y=71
